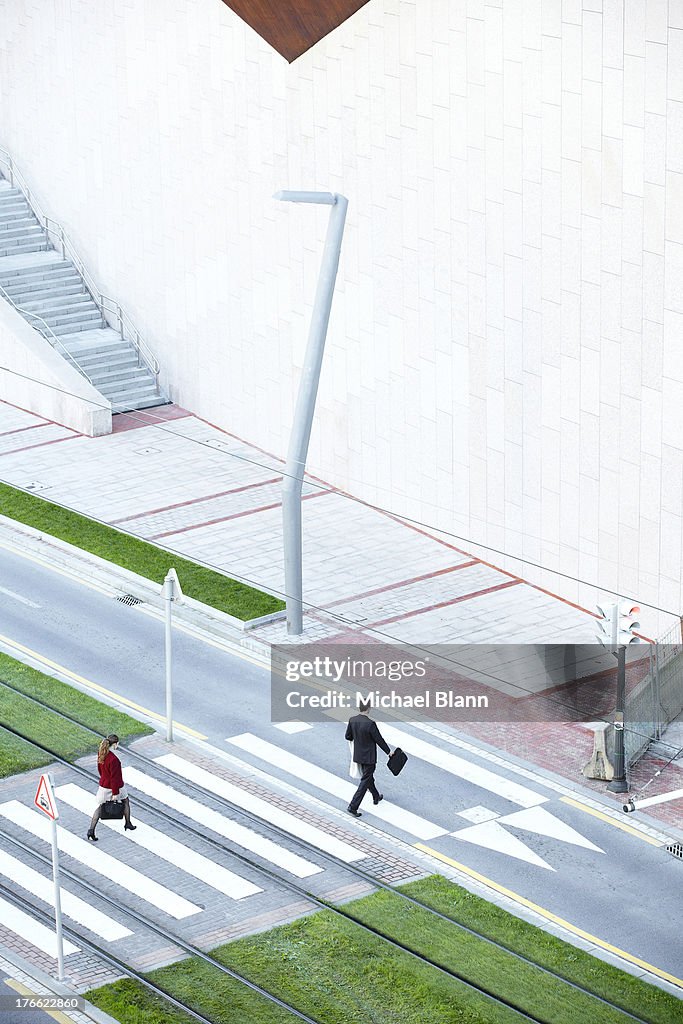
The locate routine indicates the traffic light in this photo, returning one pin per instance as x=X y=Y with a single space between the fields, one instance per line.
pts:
x=617 y=624
x=627 y=622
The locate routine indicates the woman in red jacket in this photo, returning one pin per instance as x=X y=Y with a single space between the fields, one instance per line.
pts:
x=111 y=784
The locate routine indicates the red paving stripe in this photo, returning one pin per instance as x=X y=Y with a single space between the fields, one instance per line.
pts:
x=122 y=421
x=441 y=604
x=235 y=515
x=18 y=430
x=41 y=444
x=194 y=501
x=401 y=583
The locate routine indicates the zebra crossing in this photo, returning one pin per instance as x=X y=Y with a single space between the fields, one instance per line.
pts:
x=158 y=888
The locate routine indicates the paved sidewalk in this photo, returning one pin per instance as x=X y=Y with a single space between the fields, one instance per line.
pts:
x=167 y=475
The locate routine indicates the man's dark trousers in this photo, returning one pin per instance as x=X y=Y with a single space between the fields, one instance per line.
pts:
x=367 y=782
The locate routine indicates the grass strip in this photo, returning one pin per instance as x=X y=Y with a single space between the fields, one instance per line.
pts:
x=141 y=557
x=331 y=970
x=327 y=968
x=69 y=740
x=576 y=965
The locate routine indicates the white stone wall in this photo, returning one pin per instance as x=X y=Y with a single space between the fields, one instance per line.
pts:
x=505 y=356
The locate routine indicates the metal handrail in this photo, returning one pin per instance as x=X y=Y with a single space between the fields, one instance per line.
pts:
x=47 y=333
x=106 y=303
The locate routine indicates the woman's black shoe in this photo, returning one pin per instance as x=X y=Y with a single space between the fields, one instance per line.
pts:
x=129 y=828
x=91 y=835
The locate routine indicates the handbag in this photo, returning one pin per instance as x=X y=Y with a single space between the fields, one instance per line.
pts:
x=111 y=810
x=397 y=761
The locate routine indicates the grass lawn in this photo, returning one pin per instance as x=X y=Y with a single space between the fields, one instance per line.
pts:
x=214 y=589
x=547 y=950
x=335 y=973
x=67 y=739
x=324 y=966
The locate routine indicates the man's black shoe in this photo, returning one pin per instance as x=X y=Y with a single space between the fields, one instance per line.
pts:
x=356 y=814
x=380 y=797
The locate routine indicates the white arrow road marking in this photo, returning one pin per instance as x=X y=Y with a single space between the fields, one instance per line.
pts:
x=494 y=837
x=163 y=846
x=96 y=859
x=18 y=597
x=32 y=931
x=537 y=819
x=269 y=812
x=332 y=784
x=244 y=837
x=463 y=769
x=77 y=909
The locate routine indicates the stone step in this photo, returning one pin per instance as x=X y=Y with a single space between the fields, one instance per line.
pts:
x=25 y=247
x=85 y=344
x=126 y=378
x=104 y=362
x=131 y=407
x=76 y=326
x=49 y=261
x=56 y=313
x=22 y=296
x=22 y=231
x=39 y=281
x=143 y=383
x=64 y=319
x=56 y=300
x=13 y=203
x=8 y=222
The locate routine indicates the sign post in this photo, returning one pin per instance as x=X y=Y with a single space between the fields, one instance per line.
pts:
x=45 y=802
x=170 y=591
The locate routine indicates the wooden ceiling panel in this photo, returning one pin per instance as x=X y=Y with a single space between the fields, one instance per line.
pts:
x=293 y=26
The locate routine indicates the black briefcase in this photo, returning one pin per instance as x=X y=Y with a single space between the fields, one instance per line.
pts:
x=397 y=761
x=111 y=810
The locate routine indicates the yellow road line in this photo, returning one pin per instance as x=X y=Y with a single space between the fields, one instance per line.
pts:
x=61 y=1018
x=96 y=687
x=548 y=914
x=612 y=821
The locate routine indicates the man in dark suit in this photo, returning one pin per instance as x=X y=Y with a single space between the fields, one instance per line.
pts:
x=366 y=738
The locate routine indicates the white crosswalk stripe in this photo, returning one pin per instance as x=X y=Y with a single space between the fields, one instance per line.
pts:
x=240 y=835
x=97 y=860
x=264 y=809
x=163 y=846
x=27 y=928
x=462 y=769
x=332 y=784
x=72 y=906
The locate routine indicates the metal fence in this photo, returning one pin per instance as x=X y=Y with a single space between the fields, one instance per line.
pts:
x=657 y=699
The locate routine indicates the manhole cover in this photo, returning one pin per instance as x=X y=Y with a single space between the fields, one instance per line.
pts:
x=128 y=599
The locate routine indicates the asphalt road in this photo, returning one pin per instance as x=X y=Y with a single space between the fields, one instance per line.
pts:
x=627 y=892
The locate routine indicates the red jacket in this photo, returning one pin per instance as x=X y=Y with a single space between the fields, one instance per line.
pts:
x=111 y=776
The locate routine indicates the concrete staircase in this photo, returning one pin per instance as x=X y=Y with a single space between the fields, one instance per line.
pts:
x=49 y=292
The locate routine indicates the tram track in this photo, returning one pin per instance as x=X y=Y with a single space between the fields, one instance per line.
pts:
x=301 y=891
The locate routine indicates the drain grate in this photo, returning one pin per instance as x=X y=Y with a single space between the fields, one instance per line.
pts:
x=129 y=599
x=676 y=849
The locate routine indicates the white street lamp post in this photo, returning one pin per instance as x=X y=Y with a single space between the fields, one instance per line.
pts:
x=295 y=468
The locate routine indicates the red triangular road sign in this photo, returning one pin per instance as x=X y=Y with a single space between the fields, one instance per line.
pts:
x=45 y=800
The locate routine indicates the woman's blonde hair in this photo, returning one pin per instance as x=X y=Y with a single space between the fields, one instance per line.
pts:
x=104 y=747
